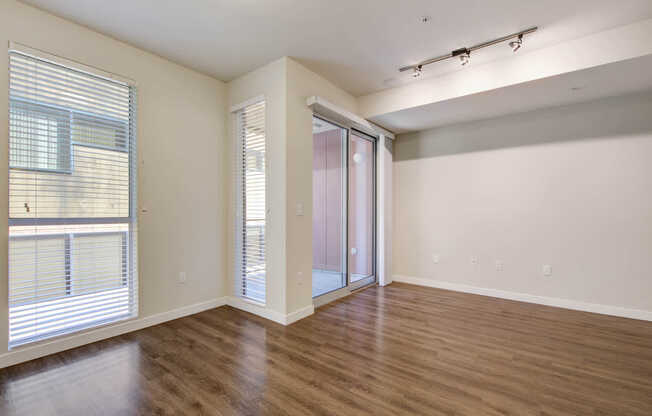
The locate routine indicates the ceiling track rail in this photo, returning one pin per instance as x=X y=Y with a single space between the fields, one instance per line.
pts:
x=466 y=51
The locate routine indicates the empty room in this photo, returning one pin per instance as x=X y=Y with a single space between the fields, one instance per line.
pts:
x=301 y=207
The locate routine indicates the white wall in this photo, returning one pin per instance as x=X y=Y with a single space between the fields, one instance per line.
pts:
x=181 y=129
x=570 y=187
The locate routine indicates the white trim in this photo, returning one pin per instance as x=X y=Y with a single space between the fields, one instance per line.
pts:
x=41 y=349
x=340 y=115
x=524 y=297
x=299 y=314
x=263 y=312
x=383 y=212
x=256 y=309
x=254 y=100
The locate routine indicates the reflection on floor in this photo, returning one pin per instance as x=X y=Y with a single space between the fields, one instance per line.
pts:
x=326 y=281
x=383 y=351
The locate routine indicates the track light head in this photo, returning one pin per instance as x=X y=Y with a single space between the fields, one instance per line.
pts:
x=516 y=44
x=465 y=58
x=417 y=71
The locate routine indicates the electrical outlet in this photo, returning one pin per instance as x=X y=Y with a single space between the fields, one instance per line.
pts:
x=499 y=266
x=546 y=270
x=435 y=258
x=300 y=278
x=182 y=277
x=474 y=261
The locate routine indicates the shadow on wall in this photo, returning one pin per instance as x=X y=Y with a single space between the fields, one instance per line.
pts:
x=608 y=117
x=388 y=144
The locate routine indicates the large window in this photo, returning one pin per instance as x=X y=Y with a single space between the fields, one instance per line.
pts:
x=72 y=220
x=251 y=207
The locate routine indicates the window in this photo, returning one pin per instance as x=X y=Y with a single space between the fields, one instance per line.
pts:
x=72 y=222
x=251 y=208
x=39 y=137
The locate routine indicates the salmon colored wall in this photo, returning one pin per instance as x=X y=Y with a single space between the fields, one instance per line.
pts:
x=361 y=206
x=327 y=201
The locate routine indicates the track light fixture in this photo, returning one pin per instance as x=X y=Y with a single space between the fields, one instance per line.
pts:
x=516 y=44
x=465 y=53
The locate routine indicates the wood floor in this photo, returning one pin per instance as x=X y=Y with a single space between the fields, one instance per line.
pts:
x=384 y=351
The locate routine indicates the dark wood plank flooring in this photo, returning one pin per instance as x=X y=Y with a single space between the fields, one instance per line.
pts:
x=401 y=349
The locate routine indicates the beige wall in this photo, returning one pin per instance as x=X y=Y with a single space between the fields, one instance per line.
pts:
x=570 y=187
x=181 y=130
x=270 y=82
x=301 y=84
x=286 y=85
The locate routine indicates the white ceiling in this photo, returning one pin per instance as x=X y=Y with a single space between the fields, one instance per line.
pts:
x=620 y=78
x=357 y=44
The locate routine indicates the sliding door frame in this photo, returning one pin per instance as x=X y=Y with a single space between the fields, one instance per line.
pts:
x=373 y=278
x=348 y=286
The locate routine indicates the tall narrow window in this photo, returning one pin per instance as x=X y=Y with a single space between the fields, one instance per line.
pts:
x=250 y=198
x=72 y=220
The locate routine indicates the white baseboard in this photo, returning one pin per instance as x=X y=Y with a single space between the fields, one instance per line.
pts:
x=299 y=314
x=256 y=309
x=524 y=297
x=30 y=352
x=262 y=311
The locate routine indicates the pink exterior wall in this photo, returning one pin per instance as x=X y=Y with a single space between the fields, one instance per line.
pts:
x=327 y=201
x=361 y=206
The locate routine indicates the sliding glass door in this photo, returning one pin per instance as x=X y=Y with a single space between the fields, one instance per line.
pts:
x=343 y=210
x=361 y=209
x=329 y=207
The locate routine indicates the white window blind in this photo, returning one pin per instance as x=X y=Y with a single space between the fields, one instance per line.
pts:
x=72 y=219
x=250 y=202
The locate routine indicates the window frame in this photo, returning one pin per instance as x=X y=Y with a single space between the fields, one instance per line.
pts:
x=128 y=267
x=240 y=207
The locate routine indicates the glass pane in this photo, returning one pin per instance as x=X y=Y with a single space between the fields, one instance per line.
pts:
x=329 y=207
x=98 y=262
x=97 y=186
x=361 y=207
x=25 y=274
x=39 y=137
x=71 y=241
